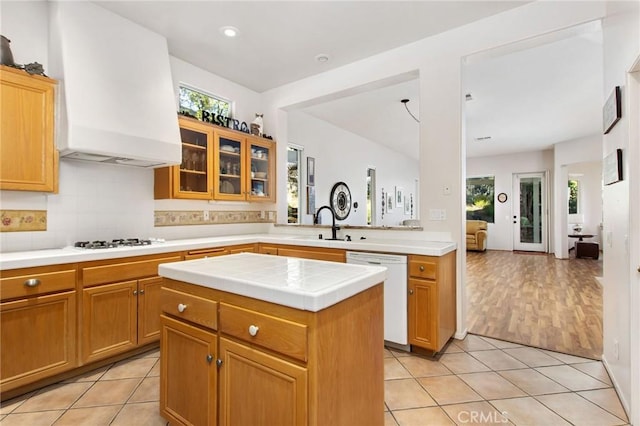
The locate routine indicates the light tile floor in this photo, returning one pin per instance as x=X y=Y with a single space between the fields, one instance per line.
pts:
x=475 y=381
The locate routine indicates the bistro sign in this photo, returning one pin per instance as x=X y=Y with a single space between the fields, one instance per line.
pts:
x=221 y=120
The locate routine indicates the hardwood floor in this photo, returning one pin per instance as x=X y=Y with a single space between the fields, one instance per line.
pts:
x=536 y=300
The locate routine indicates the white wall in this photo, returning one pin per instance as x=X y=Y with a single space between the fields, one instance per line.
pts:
x=26 y=24
x=343 y=156
x=503 y=167
x=621 y=41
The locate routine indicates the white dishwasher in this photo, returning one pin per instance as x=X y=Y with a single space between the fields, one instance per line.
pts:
x=395 y=293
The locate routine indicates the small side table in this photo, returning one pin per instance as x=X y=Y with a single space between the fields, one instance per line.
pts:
x=584 y=248
x=581 y=236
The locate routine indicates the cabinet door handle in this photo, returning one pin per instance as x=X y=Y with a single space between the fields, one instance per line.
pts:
x=32 y=282
x=421 y=268
x=410 y=291
x=181 y=307
x=253 y=330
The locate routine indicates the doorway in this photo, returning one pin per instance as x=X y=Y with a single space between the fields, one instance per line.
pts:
x=530 y=212
x=517 y=290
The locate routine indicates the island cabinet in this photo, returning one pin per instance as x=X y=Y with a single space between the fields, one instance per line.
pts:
x=432 y=300
x=219 y=164
x=28 y=157
x=37 y=324
x=274 y=365
x=120 y=304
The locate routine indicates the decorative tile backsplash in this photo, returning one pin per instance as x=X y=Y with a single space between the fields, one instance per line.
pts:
x=215 y=217
x=23 y=220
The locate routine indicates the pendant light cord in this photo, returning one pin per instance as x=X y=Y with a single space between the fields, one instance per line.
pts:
x=405 y=102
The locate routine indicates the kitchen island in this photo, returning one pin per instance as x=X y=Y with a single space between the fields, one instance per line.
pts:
x=256 y=339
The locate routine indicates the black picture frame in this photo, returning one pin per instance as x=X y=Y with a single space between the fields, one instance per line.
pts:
x=612 y=167
x=612 y=110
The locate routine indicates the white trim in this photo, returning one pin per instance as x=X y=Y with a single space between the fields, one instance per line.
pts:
x=462 y=334
x=616 y=386
x=633 y=107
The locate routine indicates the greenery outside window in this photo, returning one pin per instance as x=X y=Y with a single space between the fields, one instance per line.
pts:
x=193 y=102
x=574 y=186
x=480 y=198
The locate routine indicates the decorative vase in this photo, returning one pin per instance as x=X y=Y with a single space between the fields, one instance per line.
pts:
x=6 y=57
x=257 y=123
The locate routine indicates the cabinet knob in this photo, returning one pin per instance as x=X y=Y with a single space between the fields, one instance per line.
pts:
x=421 y=268
x=218 y=362
x=32 y=282
x=135 y=292
x=181 y=307
x=209 y=358
x=253 y=330
x=411 y=291
x=141 y=291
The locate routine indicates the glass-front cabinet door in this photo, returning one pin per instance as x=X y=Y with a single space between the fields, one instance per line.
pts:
x=192 y=177
x=229 y=182
x=260 y=163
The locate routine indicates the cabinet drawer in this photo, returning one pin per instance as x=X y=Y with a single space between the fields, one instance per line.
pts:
x=423 y=268
x=283 y=336
x=38 y=283
x=189 y=307
x=268 y=250
x=123 y=271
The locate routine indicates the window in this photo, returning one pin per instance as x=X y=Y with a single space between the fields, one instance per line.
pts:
x=294 y=156
x=193 y=102
x=573 y=196
x=371 y=196
x=480 y=199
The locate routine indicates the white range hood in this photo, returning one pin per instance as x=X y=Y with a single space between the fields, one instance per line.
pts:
x=117 y=103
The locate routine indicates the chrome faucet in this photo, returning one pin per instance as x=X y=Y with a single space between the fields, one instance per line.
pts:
x=334 y=228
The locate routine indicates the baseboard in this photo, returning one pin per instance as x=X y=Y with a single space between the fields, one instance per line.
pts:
x=616 y=386
x=461 y=335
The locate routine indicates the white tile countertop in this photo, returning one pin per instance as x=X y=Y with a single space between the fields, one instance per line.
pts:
x=25 y=259
x=310 y=285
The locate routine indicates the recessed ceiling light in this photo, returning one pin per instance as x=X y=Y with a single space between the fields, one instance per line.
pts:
x=229 y=31
x=322 y=58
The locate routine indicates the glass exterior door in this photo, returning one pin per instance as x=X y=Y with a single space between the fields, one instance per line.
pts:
x=530 y=212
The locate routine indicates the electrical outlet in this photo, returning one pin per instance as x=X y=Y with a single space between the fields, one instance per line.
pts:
x=616 y=349
x=205 y=215
x=437 y=214
x=610 y=238
x=262 y=214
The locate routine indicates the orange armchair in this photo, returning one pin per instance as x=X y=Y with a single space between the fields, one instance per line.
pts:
x=476 y=235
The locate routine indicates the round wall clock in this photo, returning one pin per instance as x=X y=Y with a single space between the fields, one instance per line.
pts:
x=502 y=197
x=341 y=200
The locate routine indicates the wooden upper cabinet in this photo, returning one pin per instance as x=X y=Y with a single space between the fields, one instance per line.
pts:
x=192 y=178
x=28 y=158
x=219 y=164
